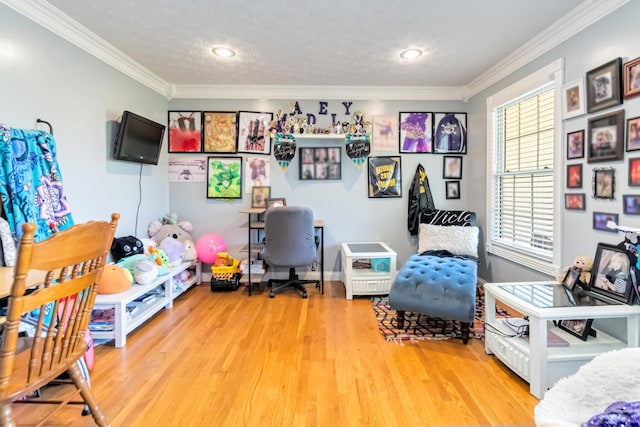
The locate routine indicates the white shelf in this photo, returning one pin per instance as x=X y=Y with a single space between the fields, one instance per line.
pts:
x=122 y=324
x=334 y=136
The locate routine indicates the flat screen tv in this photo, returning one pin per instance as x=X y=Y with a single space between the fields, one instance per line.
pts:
x=139 y=139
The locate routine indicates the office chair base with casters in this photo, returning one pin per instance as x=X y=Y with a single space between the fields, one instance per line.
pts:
x=292 y=282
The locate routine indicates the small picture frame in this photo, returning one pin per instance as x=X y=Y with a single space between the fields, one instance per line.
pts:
x=252 y=132
x=575 y=145
x=452 y=167
x=452 y=189
x=633 y=134
x=631 y=78
x=634 y=172
x=574 y=176
x=571 y=279
x=631 y=204
x=185 y=131
x=604 y=86
x=320 y=163
x=276 y=202
x=611 y=274
x=259 y=196
x=450 y=133
x=415 y=132
x=574 y=201
x=605 y=135
x=581 y=328
x=219 y=134
x=573 y=104
x=600 y=220
x=604 y=183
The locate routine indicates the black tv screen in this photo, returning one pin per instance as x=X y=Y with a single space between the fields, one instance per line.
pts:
x=139 y=139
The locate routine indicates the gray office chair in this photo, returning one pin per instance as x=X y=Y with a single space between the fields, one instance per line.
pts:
x=290 y=243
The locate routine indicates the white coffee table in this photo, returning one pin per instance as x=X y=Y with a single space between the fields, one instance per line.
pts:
x=543 y=302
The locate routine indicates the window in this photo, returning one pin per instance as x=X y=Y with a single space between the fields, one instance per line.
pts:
x=524 y=171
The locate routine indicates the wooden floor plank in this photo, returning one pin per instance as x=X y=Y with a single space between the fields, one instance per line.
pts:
x=226 y=359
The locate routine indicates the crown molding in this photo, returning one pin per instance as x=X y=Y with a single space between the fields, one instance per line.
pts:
x=584 y=15
x=51 y=18
x=403 y=93
x=44 y=14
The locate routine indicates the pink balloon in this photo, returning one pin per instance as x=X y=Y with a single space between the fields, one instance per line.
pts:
x=208 y=246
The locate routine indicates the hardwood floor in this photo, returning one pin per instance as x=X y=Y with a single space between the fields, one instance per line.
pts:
x=226 y=359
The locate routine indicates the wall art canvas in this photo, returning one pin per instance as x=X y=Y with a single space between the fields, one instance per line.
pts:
x=224 y=177
x=385 y=177
x=187 y=169
x=253 y=135
x=257 y=172
x=450 y=133
x=416 y=132
x=384 y=135
x=219 y=132
x=185 y=131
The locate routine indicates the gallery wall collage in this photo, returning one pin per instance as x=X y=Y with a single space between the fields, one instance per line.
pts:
x=230 y=140
x=603 y=140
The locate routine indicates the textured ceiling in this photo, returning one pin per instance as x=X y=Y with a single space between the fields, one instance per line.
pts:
x=327 y=42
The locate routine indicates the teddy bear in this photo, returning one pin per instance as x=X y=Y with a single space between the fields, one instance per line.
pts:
x=582 y=264
x=170 y=227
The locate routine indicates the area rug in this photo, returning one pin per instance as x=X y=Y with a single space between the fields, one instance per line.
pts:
x=420 y=327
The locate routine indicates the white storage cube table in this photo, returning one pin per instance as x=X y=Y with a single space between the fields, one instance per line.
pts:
x=368 y=268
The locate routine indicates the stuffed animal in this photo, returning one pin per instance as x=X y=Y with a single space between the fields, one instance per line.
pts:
x=583 y=264
x=174 y=250
x=170 y=227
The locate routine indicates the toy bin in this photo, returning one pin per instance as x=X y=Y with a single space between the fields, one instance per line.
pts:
x=225 y=278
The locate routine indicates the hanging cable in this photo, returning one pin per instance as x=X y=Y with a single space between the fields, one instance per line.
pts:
x=135 y=230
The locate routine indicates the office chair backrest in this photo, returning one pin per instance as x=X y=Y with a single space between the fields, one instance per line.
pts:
x=67 y=267
x=289 y=236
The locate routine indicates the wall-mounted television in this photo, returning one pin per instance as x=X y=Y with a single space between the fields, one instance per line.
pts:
x=139 y=139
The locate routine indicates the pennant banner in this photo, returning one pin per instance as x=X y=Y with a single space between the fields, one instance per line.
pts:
x=358 y=147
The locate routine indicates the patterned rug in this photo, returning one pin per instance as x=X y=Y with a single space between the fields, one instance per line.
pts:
x=420 y=327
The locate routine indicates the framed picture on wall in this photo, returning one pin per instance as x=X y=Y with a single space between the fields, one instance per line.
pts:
x=631 y=78
x=252 y=132
x=185 y=132
x=224 y=177
x=385 y=177
x=219 y=132
x=633 y=134
x=416 y=132
x=450 y=133
x=452 y=189
x=606 y=137
x=573 y=103
x=575 y=144
x=452 y=167
x=634 y=172
x=320 y=163
x=631 y=204
x=574 y=176
x=259 y=196
x=604 y=86
x=604 y=183
x=574 y=201
x=600 y=220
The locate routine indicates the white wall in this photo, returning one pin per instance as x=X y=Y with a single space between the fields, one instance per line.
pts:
x=616 y=35
x=46 y=77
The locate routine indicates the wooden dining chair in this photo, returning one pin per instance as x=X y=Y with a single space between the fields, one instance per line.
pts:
x=63 y=270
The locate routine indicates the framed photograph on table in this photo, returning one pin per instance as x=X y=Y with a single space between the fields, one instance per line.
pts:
x=575 y=144
x=573 y=103
x=605 y=135
x=581 y=328
x=452 y=167
x=631 y=204
x=224 y=177
x=604 y=86
x=276 y=202
x=385 y=177
x=633 y=134
x=252 y=132
x=416 y=132
x=574 y=176
x=574 y=201
x=600 y=220
x=631 y=78
x=571 y=279
x=219 y=132
x=185 y=132
x=610 y=274
x=259 y=196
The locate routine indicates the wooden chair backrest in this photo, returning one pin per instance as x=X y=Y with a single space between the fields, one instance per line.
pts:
x=69 y=264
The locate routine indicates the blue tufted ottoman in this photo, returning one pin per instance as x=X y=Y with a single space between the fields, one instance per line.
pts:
x=443 y=287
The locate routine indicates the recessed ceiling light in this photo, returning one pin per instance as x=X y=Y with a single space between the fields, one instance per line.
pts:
x=410 y=53
x=224 y=52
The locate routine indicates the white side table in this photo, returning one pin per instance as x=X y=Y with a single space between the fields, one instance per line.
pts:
x=373 y=280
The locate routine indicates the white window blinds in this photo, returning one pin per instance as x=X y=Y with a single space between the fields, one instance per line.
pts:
x=523 y=181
